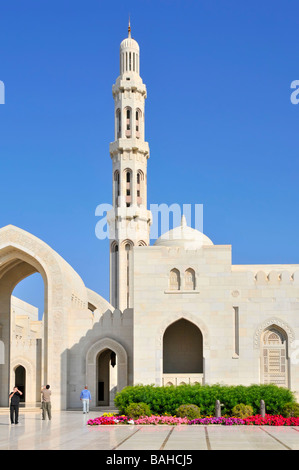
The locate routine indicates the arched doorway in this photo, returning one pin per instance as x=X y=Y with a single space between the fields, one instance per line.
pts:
x=100 y=360
x=20 y=381
x=106 y=377
x=182 y=353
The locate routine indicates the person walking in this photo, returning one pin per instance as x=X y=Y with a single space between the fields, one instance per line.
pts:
x=85 y=397
x=15 y=397
x=46 y=402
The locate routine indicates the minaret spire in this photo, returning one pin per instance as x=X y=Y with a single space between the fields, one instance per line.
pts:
x=129 y=28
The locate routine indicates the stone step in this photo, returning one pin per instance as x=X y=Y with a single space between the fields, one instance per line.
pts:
x=37 y=409
x=5 y=410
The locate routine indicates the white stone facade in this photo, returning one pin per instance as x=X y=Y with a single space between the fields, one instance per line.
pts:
x=232 y=306
x=179 y=311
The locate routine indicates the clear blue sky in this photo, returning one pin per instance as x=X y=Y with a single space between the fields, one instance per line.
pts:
x=219 y=121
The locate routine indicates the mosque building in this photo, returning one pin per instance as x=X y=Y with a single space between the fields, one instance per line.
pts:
x=179 y=310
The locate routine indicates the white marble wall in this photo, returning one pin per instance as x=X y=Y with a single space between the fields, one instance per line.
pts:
x=264 y=295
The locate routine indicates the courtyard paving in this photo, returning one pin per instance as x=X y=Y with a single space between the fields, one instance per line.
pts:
x=68 y=431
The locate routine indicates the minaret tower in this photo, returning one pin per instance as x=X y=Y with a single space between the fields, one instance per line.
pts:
x=129 y=221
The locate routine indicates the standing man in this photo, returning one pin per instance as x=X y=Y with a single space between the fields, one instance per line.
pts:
x=85 y=397
x=15 y=397
x=46 y=402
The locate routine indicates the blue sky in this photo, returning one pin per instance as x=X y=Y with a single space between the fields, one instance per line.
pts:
x=219 y=121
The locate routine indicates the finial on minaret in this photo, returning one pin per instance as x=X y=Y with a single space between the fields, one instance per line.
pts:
x=129 y=28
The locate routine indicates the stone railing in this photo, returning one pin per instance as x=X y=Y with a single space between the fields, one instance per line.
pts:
x=179 y=379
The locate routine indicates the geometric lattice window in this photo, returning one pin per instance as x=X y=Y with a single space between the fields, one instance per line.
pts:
x=274 y=357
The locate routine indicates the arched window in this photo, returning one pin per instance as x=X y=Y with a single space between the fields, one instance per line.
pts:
x=140 y=187
x=116 y=187
x=114 y=273
x=128 y=250
x=128 y=189
x=138 y=123
x=274 y=356
x=128 y=113
x=118 y=123
x=189 y=279
x=174 y=279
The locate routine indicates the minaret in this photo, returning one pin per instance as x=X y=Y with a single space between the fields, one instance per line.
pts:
x=129 y=221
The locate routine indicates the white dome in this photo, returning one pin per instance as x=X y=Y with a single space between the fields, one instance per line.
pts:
x=129 y=43
x=184 y=236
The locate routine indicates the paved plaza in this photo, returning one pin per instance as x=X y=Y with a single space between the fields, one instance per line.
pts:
x=68 y=431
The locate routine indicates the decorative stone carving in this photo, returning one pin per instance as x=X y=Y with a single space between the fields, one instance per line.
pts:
x=272 y=321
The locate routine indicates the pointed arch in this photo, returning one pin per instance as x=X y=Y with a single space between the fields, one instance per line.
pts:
x=182 y=348
x=128 y=121
x=197 y=321
x=128 y=182
x=91 y=359
x=22 y=254
x=118 y=124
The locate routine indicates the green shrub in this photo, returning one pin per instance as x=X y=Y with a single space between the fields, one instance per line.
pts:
x=188 y=411
x=163 y=400
x=242 y=411
x=135 y=410
x=291 y=410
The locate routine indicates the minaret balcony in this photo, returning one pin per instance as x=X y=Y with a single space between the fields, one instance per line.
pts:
x=134 y=82
x=128 y=144
x=132 y=212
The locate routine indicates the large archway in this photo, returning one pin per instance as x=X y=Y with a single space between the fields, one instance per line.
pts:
x=22 y=254
x=15 y=265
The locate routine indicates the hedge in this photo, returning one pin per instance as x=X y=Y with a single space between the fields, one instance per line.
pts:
x=167 y=399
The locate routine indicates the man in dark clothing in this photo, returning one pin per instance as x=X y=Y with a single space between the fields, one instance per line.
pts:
x=15 y=397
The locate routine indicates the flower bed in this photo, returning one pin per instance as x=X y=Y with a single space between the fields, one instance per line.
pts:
x=170 y=420
x=224 y=421
x=257 y=420
x=271 y=420
x=109 y=420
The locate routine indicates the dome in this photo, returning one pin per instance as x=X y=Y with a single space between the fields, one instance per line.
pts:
x=184 y=236
x=129 y=43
